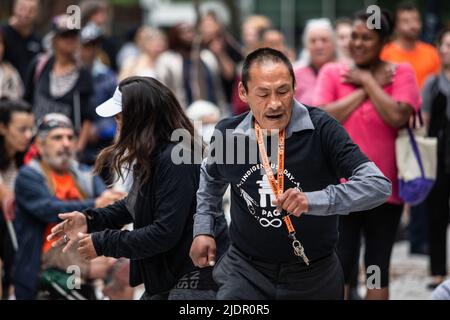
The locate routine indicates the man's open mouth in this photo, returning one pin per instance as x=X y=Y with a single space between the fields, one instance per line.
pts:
x=274 y=116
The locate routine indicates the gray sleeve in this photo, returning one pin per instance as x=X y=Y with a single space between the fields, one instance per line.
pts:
x=426 y=95
x=366 y=189
x=209 y=202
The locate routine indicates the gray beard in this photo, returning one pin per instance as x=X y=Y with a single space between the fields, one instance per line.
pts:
x=59 y=163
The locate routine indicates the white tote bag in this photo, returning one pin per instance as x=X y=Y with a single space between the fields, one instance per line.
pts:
x=417 y=164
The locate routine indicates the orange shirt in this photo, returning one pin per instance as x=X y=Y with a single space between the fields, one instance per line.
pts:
x=423 y=58
x=65 y=189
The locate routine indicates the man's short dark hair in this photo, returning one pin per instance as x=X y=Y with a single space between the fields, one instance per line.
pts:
x=404 y=6
x=262 y=55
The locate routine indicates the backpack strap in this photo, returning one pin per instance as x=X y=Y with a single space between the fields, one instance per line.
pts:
x=42 y=61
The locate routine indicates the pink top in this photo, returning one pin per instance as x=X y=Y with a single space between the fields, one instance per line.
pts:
x=306 y=79
x=365 y=126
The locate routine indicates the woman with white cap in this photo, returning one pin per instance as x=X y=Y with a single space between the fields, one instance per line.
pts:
x=161 y=202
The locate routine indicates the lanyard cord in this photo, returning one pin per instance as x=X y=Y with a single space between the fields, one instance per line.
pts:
x=278 y=185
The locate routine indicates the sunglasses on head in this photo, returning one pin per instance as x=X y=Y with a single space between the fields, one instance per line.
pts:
x=51 y=124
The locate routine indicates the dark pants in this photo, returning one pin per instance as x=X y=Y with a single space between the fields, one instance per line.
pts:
x=24 y=293
x=242 y=278
x=195 y=285
x=378 y=227
x=418 y=228
x=438 y=218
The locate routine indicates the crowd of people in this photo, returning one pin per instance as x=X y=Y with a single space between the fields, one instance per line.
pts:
x=70 y=103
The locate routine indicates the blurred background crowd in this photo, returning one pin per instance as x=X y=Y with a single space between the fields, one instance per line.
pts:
x=51 y=74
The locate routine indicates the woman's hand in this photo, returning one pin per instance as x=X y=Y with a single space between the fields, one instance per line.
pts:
x=356 y=76
x=384 y=75
x=66 y=233
x=86 y=247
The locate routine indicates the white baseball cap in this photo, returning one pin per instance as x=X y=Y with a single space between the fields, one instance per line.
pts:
x=112 y=106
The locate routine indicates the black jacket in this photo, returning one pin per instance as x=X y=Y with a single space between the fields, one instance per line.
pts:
x=163 y=225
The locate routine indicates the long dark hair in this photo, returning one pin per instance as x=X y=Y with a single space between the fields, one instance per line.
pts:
x=150 y=114
x=7 y=108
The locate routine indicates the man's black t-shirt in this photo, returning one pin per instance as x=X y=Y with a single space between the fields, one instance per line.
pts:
x=20 y=51
x=314 y=159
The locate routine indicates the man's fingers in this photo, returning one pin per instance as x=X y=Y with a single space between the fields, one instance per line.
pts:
x=202 y=262
x=290 y=198
x=197 y=258
x=211 y=257
x=83 y=241
x=82 y=244
x=297 y=212
x=83 y=253
x=282 y=198
x=291 y=207
x=82 y=235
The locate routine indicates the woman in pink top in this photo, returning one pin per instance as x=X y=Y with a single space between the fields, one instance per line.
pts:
x=372 y=99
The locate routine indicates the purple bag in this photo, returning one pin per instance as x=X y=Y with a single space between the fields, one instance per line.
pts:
x=415 y=191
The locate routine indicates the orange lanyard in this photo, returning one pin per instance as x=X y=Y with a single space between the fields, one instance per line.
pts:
x=277 y=186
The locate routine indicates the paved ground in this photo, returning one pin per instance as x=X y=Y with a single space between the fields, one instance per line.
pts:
x=409 y=274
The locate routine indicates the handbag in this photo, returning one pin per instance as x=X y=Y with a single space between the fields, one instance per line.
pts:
x=416 y=156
